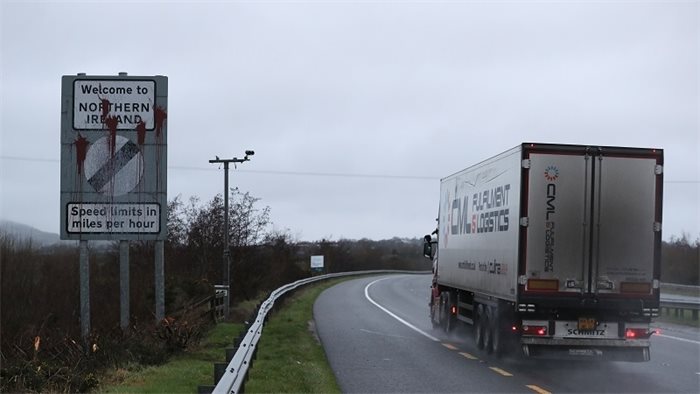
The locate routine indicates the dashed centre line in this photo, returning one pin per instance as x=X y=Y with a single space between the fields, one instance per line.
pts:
x=447 y=345
x=469 y=356
x=500 y=371
x=538 y=389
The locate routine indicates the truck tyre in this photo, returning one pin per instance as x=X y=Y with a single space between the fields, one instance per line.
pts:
x=487 y=331
x=497 y=338
x=479 y=327
x=434 y=312
x=441 y=311
x=447 y=305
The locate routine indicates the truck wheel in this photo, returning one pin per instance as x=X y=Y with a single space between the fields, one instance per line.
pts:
x=479 y=327
x=487 y=333
x=434 y=312
x=433 y=317
x=449 y=320
x=442 y=310
x=497 y=338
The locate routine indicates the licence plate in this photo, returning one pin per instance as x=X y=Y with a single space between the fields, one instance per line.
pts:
x=587 y=323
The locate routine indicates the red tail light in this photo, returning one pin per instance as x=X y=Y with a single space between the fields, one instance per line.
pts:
x=535 y=330
x=637 y=333
x=454 y=310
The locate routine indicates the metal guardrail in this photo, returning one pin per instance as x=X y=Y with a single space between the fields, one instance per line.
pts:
x=679 y=307
x=677 y=286
x=680 y=298
x=236 y=372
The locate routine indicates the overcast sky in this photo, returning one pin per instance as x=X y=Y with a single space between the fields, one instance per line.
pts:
x=356 y=109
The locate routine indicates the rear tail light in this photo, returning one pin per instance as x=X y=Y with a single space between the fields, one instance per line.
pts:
x=454 y=309
x=637 y=333
x=538 y=331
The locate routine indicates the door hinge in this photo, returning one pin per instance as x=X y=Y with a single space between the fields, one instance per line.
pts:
x=526 y=163
x=657 y=227
x=659 y=169
x=524 y=222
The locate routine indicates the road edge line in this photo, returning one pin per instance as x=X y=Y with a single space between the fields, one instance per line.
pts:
x=390 y=313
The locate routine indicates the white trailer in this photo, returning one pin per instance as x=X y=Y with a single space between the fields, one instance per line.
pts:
x=552 y=249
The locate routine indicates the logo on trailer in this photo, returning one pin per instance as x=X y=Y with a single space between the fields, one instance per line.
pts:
x=551 y=173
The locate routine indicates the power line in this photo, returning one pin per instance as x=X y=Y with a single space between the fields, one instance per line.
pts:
x=264 y=172
x=299 y=173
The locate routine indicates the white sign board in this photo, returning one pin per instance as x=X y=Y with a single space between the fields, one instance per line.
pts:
x=127 y=102
x=114 y=157
x=127 y=218
x=316 y=262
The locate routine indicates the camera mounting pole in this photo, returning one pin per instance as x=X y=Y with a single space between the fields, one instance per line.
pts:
x=226 y=271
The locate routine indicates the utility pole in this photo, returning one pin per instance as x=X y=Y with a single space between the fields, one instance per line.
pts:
x=227 y=256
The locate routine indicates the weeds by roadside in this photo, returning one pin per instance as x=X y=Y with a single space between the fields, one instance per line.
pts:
x=57 y=362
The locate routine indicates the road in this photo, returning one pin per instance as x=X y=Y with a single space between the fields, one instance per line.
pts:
x=378 y=339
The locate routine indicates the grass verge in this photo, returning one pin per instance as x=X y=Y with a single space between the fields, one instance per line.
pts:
x=182 y=373
x=290 y=359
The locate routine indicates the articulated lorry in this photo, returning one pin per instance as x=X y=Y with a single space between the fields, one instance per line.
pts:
x=552 y=251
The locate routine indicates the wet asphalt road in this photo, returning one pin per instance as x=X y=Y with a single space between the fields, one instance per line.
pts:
x=378 y=339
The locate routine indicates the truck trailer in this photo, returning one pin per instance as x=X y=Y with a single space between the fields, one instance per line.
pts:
x=551 y=250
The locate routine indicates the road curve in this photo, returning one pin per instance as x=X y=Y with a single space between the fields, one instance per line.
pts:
x=378 y=339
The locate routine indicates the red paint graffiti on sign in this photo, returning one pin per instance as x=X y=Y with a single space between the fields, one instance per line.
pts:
x=141 y=132
x=112 y=122
x=81 y=144
x=104 y=106
x=159 y=116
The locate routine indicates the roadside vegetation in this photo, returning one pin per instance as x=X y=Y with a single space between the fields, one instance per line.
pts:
x=183 y=373
x=40 y=345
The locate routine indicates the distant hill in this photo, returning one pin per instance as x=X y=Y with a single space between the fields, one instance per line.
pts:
x=23 y=232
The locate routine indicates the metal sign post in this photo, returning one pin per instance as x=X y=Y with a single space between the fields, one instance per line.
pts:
x=114 y=166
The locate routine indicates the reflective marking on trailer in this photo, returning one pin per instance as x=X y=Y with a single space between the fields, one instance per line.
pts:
x=538 y=389
x=500 y=371
x=447 y=345
x=469 y=356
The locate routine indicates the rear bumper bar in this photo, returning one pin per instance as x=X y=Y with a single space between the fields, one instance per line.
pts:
x=581 y=349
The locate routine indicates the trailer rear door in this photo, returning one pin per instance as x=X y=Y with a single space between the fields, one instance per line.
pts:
x=624 y=239
x=593 y=221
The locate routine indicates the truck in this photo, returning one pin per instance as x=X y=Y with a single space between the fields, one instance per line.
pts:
x=551 y=250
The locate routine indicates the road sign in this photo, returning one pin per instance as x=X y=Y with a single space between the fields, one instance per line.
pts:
x=129 y=101
x=114 y=157
x=116 y=170
x=317 y=262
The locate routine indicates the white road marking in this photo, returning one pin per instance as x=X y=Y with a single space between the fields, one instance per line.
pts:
x=390 y=313
x=677 y=339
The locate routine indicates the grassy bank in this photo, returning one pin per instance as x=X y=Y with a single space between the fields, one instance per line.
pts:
x=182 y=374
x=289 y=359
